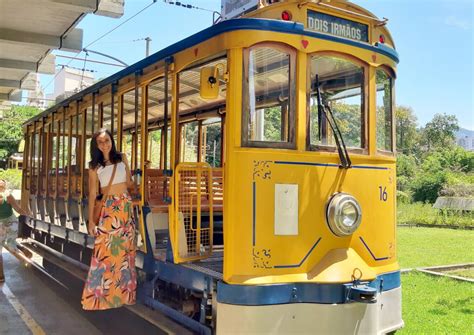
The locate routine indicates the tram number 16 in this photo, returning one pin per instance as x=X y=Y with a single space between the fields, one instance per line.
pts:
x=383 y=193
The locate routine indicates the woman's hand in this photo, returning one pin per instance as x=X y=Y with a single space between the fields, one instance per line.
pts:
x=91 y=228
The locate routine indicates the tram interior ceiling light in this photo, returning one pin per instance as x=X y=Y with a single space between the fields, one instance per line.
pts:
x=343 y=214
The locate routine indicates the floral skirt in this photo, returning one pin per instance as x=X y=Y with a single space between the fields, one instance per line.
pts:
x=112 y=278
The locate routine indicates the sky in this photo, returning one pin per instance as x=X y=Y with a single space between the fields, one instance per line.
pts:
x=434 y=39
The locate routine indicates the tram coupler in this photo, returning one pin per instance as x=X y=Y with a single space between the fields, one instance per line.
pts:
x=362 y=293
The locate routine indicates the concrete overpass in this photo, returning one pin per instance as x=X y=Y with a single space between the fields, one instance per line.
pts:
x=31 y=29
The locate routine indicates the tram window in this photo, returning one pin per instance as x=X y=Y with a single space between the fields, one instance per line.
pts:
x=341 y=84
x=107 y=116
x=191 y=104
x=127 y=145
x=89 y=132
x=189 y=142
x=189 y=88
x=75 y=143
x=36 y=158
x=156 y=98
x=63 y=146
x=54 y=149
x=131 y=117
x=268 y=97
x=384 y=110
x=154 y=148
x=211 y=142
x=155 y=115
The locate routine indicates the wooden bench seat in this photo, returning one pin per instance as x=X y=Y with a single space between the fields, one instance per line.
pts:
x=155 y=183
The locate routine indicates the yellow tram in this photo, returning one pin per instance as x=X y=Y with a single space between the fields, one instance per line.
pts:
x=263 y=153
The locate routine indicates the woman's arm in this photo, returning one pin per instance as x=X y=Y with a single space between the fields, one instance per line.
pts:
x=12 y=201
x=92 y=195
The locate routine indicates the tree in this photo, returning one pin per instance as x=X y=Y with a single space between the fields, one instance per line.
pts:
x=407 y=134
x=11 y=132
x=441 y=131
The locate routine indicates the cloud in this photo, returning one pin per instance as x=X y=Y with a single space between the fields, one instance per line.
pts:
x=458 y=23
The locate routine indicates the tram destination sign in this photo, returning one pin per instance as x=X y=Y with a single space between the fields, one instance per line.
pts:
x=336 y=26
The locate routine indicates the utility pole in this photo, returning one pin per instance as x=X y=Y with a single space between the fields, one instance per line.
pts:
x=148 y=41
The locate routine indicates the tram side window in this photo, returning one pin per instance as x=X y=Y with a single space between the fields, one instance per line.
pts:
x=384 y=111
x=189 y=142
x=193 y=146
x=36 y=159
x=89 y=132
x=154 y=148
x=212 y=141
x=110 y=120
x=131 y=141
x=269 y=96
x=155 y=117
x=341 y=85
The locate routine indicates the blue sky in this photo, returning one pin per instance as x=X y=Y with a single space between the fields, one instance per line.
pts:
x=434 y=39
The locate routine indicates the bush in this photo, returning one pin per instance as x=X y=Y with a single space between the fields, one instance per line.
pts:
x=426 y=186
x=403 y=197
x=406 y=169
x=13 y=178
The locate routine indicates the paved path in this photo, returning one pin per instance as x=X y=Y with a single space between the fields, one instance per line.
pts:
x=32 y=303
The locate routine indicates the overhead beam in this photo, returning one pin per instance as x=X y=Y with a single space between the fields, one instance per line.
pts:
x=15 y=96
x=71 y=42
x=47 y=66
x=110 y=8
x=10 y=83
x=28 y=83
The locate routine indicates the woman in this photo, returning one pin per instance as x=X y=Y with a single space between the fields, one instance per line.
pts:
x=112 y=279
x=8 y=222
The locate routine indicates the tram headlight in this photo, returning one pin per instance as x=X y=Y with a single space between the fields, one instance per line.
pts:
x=343 y=214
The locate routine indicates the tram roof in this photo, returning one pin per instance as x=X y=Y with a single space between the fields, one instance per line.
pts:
x=288 y=27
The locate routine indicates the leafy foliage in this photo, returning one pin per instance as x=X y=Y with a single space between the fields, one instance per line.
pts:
x=407 y=134
x=11 y=132
x=431 y=164
x=441 y=131
x=13 y=178
x=348 y=119
x=427 y=186
x=406 y=171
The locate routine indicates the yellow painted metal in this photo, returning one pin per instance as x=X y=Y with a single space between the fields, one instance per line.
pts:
x=143 y=149
x=193 y=184
x=119 y=122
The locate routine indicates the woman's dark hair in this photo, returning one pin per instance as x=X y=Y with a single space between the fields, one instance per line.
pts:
x=97 y=158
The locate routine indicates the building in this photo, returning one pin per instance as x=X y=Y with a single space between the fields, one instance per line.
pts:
x=69 y=81
x=465 y=139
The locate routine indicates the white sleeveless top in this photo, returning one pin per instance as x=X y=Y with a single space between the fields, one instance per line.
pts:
x=105 y=173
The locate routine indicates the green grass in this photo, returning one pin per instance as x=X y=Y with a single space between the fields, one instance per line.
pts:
x=436 y=305
x=421 y=247
x=417 y=213
x=432 y=304
x=466 y=273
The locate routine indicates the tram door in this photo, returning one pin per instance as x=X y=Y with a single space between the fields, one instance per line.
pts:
x=198 y=178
